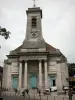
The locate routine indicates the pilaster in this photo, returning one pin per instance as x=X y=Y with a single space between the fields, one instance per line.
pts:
x=40 y=74
x=25 y=75
x=20 y=75
x=46 y=74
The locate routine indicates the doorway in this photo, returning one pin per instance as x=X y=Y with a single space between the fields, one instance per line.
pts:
x=14 y=82
x=33 y=81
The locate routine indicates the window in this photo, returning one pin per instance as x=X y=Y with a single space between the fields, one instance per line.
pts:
x=34 y=22
x=52 y=80
x=54 y=83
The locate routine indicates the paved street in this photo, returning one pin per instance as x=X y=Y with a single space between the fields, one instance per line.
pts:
x=36 y=98
x=54 y=96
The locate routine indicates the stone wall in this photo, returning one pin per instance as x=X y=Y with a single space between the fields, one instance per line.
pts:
x=64 y=74
x=60 y=70
x=7 y=76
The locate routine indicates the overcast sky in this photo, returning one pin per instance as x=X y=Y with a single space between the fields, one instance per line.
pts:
x=58 y=24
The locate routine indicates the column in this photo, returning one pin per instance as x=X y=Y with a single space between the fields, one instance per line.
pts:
x=20 y=75
x=59 y=78
x=8 y=76
x=40 y=75
x=25 y=75
x=46 y=75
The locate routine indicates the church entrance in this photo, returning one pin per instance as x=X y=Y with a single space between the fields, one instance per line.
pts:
x=15 y=82
x=33 y=80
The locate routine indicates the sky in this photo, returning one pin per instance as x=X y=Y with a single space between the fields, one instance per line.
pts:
x=58 y=25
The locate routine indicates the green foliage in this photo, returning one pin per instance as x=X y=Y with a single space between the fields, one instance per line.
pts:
x=4 y=32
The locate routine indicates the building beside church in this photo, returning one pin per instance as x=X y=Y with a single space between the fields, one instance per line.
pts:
x=35 y=64
x=71 y=69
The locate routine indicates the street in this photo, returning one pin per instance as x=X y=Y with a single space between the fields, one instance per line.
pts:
x=35 y=96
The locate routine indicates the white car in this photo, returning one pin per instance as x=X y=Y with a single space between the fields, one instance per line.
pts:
x=46 y=91
x=53 y=88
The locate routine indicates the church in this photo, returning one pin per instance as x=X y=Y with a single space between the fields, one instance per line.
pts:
x=35 y=63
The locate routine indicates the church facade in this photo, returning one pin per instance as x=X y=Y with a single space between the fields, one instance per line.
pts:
x=35 y=64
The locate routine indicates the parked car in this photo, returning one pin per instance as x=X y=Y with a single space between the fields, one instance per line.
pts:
x=47 y=91
x=53 y=88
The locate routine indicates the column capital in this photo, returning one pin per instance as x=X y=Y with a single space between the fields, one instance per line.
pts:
x=19 y=61
x=45 y=60
x=25 y=60
x=39 y=60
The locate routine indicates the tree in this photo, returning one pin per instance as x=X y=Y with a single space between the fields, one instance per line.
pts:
x=4 y=32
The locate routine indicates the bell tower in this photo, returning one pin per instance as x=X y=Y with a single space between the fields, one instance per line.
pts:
x=34 y=38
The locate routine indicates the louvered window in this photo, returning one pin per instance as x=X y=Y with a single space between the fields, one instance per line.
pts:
x=34 y=22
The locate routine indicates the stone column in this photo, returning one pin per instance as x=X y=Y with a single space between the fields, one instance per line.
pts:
x=25 y=75
x=8 y=75
x=40 y=74
x=46 y=74
x=20 y=75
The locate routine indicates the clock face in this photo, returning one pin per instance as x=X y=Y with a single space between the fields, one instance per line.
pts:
x=34 y=34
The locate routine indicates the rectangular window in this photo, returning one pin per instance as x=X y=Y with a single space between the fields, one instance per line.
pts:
x=34 y=22
x=52 y=80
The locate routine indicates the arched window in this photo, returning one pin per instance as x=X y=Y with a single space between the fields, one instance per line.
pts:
x=34 y=22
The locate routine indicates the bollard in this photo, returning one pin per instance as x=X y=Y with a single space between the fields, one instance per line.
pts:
x=47 y=97
x=40 y=96
x=54 y=97
x=34 y=96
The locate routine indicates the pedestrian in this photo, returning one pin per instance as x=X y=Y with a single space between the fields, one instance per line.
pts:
x=23 y=93
x=27 y=91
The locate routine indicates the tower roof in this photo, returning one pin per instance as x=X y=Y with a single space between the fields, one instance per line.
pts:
x=34 y=10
